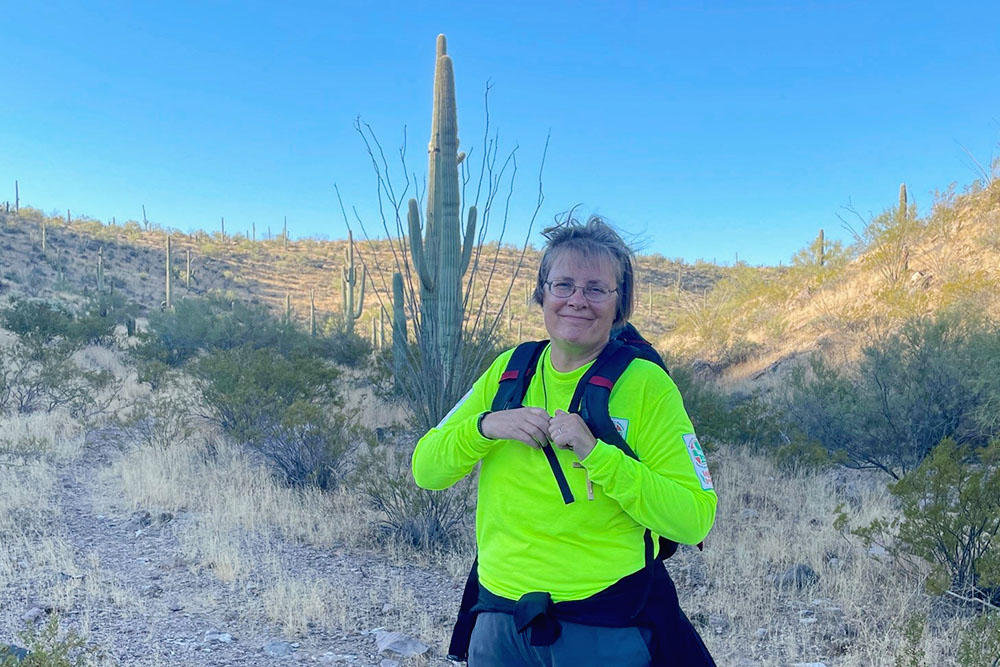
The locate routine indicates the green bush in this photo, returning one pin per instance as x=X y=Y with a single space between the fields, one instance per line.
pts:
x=36 y=321
x=931 y=380
x=286 y=408
x=176 y=335
x=950 y=519
x=418 y=517
x=43 y=379
x=979 y=645
x=48 y=647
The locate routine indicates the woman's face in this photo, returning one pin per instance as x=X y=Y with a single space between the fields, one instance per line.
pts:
x=574 y=324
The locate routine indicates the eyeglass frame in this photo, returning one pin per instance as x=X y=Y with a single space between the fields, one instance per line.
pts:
x=582 y=288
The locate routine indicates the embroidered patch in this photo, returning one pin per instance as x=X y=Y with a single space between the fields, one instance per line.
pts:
x=621 y=425
x=698 y=460
x=452 y=411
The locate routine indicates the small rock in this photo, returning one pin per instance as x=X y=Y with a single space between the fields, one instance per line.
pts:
x=217 y=637
x=175 y=606
x=763 y=633
x=278 y=649
x=166 y=517
x=833 y=563
x=33 y=615
x=399 y=643
x=797 y=576
x=747 y=514
x=151 y=591
x=389 y=663
x=718 y=623
x=877 y=552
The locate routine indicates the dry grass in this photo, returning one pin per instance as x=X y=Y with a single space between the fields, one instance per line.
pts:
x=771 y=519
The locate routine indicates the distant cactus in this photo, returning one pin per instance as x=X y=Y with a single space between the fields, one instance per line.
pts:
x=312 y=313
x=43 y=235
x=129 y=325
x=288 y=308
x=821 y=249
x=187 y=272
x=100 y=269
x=398 y=327
x=348 y=283
x=284 y=233
x=902 y=202
x=169 y=301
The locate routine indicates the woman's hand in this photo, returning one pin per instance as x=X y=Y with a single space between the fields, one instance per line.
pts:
x=569 y=431
x=528 y=425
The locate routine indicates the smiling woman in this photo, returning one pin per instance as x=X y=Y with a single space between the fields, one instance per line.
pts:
x=560 y=579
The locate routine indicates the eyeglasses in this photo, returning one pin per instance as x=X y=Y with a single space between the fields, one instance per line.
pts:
x=564 y=289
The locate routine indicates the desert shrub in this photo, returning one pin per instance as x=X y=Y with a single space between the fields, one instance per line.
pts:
x=36 y=321
x=950 y=519
x=720 y=418
x=418 y=517
x=979 y=645
x=41 y=323
x=285 y=408
x=918 y=386
x=49 y=647
x=343 y=346
x=44 y=379
x=176 y=335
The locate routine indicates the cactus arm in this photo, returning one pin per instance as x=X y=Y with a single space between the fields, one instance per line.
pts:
x=470 y=233
x=417 y=247
x=361 y=295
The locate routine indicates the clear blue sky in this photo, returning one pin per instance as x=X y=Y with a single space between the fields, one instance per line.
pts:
x=713 y=128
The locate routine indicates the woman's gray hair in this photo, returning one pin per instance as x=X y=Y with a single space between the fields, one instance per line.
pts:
x=592 y=240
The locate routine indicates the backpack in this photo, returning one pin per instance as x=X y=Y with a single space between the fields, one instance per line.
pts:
x=590 y=400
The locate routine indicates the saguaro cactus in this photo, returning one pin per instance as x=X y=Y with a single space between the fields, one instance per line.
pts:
x=312 y=313
x=100 y=269
x=43 y=236
x=902 y=202
x=170 y=291
x=439 y=256
x=349 y=280
x=821 y=249
x=398 y=327
x=187 y=270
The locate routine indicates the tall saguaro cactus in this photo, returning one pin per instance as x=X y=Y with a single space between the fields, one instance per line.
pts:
x=439 y=255
x=902 y=201
x=348 y=281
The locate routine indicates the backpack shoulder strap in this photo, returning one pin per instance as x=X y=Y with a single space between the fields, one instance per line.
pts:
x=517 y=376
x=593 y=393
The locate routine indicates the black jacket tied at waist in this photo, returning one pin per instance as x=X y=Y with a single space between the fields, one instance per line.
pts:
x=646 y=598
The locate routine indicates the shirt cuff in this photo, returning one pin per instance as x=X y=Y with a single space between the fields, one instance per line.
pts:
x=601 y=461
x=478 y=442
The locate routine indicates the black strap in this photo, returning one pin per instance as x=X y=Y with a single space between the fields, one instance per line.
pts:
x=510 y=395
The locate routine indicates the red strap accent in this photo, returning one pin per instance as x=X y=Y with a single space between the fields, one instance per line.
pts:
x=602 y=382
x=509 y=375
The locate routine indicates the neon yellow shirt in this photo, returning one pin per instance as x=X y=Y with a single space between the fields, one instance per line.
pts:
x=528 y=538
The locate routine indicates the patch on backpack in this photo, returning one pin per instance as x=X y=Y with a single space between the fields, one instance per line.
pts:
x=452 y=411
x=621 y=425
x=699 y=461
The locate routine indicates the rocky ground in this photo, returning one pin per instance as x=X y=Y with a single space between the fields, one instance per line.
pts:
x=133 y=593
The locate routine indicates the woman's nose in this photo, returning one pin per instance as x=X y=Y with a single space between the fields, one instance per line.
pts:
x=577 y=298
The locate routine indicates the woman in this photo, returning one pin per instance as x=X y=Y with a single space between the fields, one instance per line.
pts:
x=567 y=576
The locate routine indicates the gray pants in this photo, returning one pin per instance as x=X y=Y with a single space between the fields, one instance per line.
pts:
x=496 y=643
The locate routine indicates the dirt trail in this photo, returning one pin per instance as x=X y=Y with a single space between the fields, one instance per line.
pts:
x=147 y=605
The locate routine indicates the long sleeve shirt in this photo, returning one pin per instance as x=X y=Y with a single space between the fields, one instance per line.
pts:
x=528 y=538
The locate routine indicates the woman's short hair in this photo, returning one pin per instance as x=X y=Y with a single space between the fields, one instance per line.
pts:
x=592 y=240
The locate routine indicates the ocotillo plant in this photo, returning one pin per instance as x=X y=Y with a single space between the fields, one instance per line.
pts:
x=170 y=294
x=348 y=282
x=439 y=256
